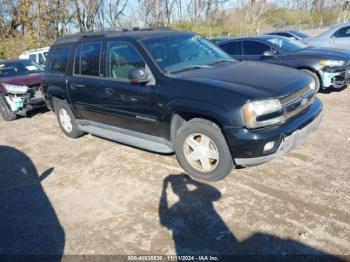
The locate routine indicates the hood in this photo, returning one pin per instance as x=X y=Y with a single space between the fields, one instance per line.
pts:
x=28 y=80
x=323 y=53
x=253 y=80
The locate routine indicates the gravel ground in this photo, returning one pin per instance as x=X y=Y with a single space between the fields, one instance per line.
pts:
x=93 y=196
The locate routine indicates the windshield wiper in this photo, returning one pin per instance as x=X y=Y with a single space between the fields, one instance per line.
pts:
x=221 y=61
x=191 y=67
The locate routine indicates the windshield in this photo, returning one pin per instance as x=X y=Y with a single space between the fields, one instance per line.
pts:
x=19 y=68
x=177 y=53
x=287 y=44
x=299 y=34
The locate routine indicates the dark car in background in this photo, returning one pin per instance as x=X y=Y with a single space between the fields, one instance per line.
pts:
x=328 y=67
x=20 y=92
x=290 y=34
x=168 y=91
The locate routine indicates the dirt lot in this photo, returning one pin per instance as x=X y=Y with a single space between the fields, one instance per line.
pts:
x=94 y=196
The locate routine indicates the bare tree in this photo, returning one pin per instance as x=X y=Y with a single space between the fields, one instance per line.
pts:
x=86 y=13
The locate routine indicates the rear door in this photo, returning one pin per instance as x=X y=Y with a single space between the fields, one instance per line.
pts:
x=85 y=88
x=128 y=106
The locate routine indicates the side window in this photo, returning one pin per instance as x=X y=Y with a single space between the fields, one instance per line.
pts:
x=77 y=61
x=90 y=59
x=233 y=48
x=41 y=59
x=343 y=32
x=57 y=60
x=32 y=57
x=285 y=35
x=121 y=58
x=254 y=48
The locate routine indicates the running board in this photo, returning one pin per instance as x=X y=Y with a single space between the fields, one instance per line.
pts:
x=128 y=137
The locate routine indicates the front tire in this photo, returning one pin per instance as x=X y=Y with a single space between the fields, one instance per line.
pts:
x=202 y=151
x=66 y=119
x=5 y=111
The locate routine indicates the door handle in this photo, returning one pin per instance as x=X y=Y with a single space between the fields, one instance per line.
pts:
x=75 y=86
x=109 y=91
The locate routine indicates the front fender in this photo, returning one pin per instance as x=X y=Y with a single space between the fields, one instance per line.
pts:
x=217 y=113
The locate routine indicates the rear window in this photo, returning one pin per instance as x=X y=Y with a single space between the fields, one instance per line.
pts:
x=87 y=59
x=19 y=68
x=57 y=60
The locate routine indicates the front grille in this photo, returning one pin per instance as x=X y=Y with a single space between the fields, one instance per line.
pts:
x=295 y=103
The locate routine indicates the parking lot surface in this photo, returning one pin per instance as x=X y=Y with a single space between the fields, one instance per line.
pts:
x=94 y=196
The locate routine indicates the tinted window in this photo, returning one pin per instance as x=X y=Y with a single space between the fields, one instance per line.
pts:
x=300 y=34
x=284 y=34
x=77 y=61
x=255 y=48
x=90 y=59
x=19 y=68
x=121 y=58
x=232 y=48
x=57 y=60
x=343 y=32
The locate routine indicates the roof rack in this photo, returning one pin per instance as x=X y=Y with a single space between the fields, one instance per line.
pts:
x=77 y=36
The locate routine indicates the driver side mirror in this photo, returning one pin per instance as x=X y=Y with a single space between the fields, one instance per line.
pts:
x=269 y=54
x=138 y=75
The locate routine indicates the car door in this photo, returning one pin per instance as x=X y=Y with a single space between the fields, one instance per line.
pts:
x=85 y=88
x=233 y=48
x=341 y=38
x=129 y=106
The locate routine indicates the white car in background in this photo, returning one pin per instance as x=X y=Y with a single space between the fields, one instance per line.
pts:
x=36 y=55
x=336 y=37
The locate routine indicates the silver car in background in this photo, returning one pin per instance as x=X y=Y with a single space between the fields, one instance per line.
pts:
x=336 y=37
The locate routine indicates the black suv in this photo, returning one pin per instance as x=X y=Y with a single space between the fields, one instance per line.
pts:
x=168 y=91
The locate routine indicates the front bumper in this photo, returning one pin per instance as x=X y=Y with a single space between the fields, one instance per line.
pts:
x=21 y=104
x=247 y=146
x=336 y=77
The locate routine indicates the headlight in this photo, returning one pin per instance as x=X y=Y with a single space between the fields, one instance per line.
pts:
x=15 y=89
x=262 y=113
x=332 y=63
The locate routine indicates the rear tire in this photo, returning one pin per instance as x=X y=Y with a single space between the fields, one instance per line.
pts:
x=202 y=151
x=5 y=111
x=315 y=77
x=66 y=119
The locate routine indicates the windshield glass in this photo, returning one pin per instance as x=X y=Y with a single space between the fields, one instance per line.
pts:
x=19 y=68
x=287 y=44
x=177 y=53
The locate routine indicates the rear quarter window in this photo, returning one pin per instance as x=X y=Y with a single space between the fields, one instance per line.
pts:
x=57 y=60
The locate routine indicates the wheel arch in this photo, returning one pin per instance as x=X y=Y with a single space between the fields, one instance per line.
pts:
x=55 y=93
x=313 y=70
x=184 y=111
